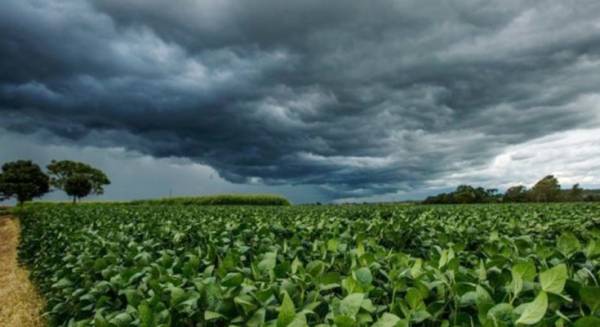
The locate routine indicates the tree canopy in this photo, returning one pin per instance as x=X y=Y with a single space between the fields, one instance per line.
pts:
x=22 y=180
x=516 y=194
x=78 y=186
x=545 y=190
x=77 y=179
x=576 y=193
x=466 y=194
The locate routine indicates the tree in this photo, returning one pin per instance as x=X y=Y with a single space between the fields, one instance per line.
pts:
x=492 y=195
x=24 y=180
x=442 y=198
x=546 y=190
x=576 y=193
x=516 y=194
x=77 y=179
x=465 y=194
x=78 y=186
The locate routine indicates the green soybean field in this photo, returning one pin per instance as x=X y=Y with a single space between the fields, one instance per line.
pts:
x=361 y=265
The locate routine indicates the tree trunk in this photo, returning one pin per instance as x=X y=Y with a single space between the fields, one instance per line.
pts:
x=74 y=199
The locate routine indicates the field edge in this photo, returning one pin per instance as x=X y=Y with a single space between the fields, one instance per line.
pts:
x=20 y=302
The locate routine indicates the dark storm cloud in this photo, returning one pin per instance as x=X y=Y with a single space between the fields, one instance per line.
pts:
x=360 y=98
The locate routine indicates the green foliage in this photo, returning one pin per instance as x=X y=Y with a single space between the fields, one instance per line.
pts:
x=287 y=311
x=515 y=194
x=219 y=199
x=534 y=312
x=546 y=190
x=575 y=193
x=466 y=194
x=77 y=179
x=591 y=195
x=22 y=180
x=588 y=322
x=553 y=280
x=500 y=265
x=590 y=295
x=78 y=186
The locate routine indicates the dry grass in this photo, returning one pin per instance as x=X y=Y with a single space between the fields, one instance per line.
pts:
x=20 y=304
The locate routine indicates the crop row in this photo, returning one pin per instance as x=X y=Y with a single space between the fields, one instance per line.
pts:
x=499 y=265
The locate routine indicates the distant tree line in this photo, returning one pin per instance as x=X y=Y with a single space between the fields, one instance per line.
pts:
x=545 y=190
x=24 y=180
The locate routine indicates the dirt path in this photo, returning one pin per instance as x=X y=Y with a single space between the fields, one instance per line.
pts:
x=20 y=304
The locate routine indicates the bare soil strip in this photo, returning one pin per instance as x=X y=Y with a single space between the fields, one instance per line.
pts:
x=20 y=303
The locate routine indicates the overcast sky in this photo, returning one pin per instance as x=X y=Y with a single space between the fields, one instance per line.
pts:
x=318 y=100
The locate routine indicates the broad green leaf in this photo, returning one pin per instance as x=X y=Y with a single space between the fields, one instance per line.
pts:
x=232 y=280
x=568 y=244
x=245 y=301
x=416 y=269
x=364 y=276
x=534 y=311
x=592 y=250
x=390 y=320
x=525 y=269
x=553 y=280
x=368 y=306
x=443 y=259
x=63 y=283
x=483 y=297
x=122 y=320
x=329 y=280
x=350 y=305
x=212 y=295
x=591 y=297
x=332 y=245
x=484 y=303
x=299 y=321
x=364 y=318
x=468 y=299
x=420 y=316
x=257 y=319
x=287 y=311
x=100 y=321
x=344 y=321
x=494 y=236
x=351 y=285
x=268 y=262
x=296 y=264
x=516 y=284
x=146 y=315
x=501 y=312
x=177 y=295
x=133 y=296
x=315 y=268
x=414 y=298
x=481 y=271
x=211 y=315
x=360 y=249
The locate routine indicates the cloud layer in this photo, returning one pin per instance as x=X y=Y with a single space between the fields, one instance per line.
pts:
x=360 y=99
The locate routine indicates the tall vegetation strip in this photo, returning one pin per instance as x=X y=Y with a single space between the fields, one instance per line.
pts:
x=219 y=199
x=545 y=190
x=20 y=304
x=500 y=265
